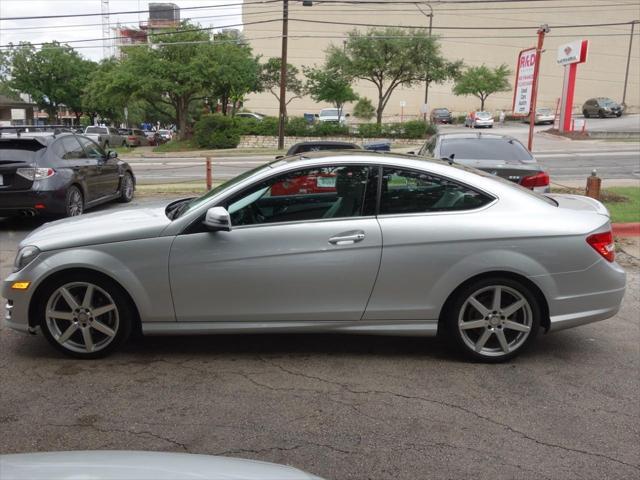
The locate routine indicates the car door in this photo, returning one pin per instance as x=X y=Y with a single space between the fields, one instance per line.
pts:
x=107 y=177
x=428 y=224
x=85 y=169
x=305 y=246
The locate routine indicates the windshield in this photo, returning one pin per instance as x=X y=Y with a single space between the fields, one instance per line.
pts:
x=607 y=102
x=96 y=130
x=331 y=112
x=485 y=149
x=176 y=210
x=441 y=111
x=483 y=115
x=544 y=111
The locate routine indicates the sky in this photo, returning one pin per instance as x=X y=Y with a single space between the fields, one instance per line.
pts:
x=80 y=28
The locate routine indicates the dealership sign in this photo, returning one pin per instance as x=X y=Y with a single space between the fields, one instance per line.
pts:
x=524 y=82
x=573 y=52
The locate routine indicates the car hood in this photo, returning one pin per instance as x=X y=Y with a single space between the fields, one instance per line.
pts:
x=129 y=465
x=96 y=228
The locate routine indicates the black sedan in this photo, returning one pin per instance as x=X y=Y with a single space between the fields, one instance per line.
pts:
x=60 y=175
x=499 y=155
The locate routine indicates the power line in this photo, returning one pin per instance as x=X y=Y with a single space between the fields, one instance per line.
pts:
x=130 y=12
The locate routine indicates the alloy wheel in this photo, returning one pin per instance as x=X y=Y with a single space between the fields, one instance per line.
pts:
x=127 y=187
x=74 y=203
x=82 y=317
x=495 y=321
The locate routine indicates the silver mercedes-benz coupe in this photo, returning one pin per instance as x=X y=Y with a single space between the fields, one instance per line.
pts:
x=329 y=242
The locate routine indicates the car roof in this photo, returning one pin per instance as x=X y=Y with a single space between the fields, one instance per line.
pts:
x=475 y=135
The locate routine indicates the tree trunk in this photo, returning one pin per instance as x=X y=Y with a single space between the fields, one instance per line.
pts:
x=182 y=112
x=482 y=99
x=380 y=108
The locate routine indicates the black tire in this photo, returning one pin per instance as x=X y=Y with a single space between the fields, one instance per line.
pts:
x=601 y=114
x=127 y=188
x=585 y=114
x=124 y=314
x=74 y=202
x=529 y=317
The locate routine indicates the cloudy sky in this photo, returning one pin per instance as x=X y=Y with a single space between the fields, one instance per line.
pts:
x=81 y=28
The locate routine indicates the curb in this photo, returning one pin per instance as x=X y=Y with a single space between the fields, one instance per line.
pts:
x=626 y=230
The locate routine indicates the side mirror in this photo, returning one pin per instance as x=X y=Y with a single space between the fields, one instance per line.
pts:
x=217 y=219
x=112 y=154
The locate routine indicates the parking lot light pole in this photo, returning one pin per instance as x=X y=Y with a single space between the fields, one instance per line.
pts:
x=544 y=29
x=426 y=85
x=626 y=73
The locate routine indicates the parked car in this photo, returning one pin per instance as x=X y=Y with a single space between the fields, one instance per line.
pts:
x=132 y=465
x=165 y=135
x=256 y=116
x=479 y=119
x=105 y=136
x=441 y=115
x=153 y=137
x=544 y=115
x=60 y=175
x=602 y=107
x=333 y=115
x=135 y=138
x=499 y=155
x=402 y=246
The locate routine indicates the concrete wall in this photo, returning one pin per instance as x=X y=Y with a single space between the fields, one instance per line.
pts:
x=602 y=75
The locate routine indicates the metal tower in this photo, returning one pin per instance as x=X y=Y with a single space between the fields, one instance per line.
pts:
x=106 y=30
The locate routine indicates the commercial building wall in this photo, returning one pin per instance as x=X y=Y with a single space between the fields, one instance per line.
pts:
x=602 y=75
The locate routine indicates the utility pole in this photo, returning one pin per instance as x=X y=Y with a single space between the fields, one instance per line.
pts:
x=626 y=73
x=106 y=31
x=283 y=74
x=426 y=85
x=544 y=29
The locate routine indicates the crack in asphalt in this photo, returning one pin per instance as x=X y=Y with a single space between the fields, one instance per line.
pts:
x=117 y=430
x=285 y=449
x=455 y=407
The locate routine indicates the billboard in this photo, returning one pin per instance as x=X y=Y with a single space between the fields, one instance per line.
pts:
x=524 y=81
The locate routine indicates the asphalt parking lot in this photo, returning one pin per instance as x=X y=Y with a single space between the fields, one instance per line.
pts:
x=342 y=407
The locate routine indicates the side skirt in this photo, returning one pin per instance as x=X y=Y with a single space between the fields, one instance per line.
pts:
x=423 y=328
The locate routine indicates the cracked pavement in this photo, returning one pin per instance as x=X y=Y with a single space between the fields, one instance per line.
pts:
x=342 y=407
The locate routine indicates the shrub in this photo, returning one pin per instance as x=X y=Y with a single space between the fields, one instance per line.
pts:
x=364 y=109
x=415 y=129
x=370 y=130
x=267 y=126
x=326 y=129
x=216 y=131
x=298 y=127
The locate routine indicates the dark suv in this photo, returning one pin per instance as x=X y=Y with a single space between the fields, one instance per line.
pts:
x=601 y=107
x=441 y=115
x=59 y=175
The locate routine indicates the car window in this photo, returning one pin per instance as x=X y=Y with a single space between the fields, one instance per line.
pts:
x=406 y=191
x=92 y=149
x=484 y=149
x=307 y=194
x=72 y=149
x=428 y=147
x=96 y=130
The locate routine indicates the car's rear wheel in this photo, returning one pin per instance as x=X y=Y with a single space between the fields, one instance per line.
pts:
x=493 y=319
x=126 y=188
x=84 y=316
x=585 y=114
x=74 y=203
x=601 y=114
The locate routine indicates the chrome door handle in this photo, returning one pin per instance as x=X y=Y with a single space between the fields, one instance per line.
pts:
x=347 y=239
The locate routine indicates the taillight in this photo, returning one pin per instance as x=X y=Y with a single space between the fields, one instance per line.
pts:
x=603 y=244
x=35 y=173
x=132 y=138
x=537 y=180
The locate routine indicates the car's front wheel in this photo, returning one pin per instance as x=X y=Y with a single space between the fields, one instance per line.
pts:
x=84 y=316
x=493 y=319
x=126 y=188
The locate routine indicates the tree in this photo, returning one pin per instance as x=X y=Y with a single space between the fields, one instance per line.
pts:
x=482 y=81
x=233 y=74
x=329 y=85
x=387 y=58
x=438 y=70
x=171 y=73
x=364 y=109
x=5 y=66
x=55 y=75
x=270 y=80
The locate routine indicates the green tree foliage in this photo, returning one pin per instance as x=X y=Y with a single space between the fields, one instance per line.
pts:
x=216 y=131
x=482 y=81
x=329 y=85
x=270 y=80
x=5 y=66
x=364 y=109
x=388 y=58
x=54 y=75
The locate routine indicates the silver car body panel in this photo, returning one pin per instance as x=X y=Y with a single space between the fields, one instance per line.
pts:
x=133 y=465
x=287 y=277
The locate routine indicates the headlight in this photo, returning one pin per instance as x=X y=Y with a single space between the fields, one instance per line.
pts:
x=25 y=256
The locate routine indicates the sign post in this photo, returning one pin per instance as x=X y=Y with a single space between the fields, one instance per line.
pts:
x=569 y=56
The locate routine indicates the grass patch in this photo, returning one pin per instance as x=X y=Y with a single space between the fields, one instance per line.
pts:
x=626 y=206
x=185 y=188
x=177 y=146
x=122 y=150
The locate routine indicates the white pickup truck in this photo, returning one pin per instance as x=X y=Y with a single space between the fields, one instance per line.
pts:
x=106 y=137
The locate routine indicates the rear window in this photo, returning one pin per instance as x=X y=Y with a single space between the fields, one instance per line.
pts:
x=96 y=130
x=441 y=110
x=19 y=150
x=484 y=149
x=329 y=113
x=483 y=115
